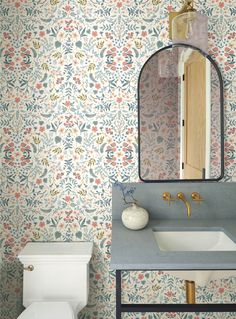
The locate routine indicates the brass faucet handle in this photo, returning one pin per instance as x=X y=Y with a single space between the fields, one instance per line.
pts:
x=167 y=197
x=196 y=197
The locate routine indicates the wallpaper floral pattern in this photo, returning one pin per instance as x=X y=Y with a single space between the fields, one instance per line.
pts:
x=68 y=114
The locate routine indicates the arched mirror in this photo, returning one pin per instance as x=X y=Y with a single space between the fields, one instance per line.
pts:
x=180 y=110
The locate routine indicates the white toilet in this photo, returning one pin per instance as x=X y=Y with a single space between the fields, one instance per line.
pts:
x=55 y=282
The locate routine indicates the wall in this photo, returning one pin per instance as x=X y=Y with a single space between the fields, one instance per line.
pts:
x=68 y=76
x=219 y=200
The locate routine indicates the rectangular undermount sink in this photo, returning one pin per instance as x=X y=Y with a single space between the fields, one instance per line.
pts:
x=194 y=240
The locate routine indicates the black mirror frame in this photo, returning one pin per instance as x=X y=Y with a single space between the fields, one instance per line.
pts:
x=207 y=56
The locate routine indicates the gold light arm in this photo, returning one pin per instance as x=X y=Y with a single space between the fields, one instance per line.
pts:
x=187 y=7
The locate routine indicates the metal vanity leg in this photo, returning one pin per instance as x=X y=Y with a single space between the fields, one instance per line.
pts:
x=118 y=294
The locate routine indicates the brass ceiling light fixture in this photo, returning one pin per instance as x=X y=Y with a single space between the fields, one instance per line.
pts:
x=188 y=26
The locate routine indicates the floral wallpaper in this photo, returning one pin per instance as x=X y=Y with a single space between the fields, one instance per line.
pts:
x=68 y=121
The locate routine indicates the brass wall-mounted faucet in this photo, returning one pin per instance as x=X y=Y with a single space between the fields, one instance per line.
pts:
x=183 y=198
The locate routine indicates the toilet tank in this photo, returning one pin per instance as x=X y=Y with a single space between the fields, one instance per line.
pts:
x=60 y=272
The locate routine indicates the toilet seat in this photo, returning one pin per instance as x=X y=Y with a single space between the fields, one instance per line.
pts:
x=48 y=310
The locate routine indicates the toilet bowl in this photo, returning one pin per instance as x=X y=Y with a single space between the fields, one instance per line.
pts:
x=48 y=310
x=55 y=280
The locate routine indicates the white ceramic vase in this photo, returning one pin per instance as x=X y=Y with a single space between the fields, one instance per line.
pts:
x=135 y=217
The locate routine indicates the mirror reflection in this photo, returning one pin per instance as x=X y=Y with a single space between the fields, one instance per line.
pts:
x=180 y=116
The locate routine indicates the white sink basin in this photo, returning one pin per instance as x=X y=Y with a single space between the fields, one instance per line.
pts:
x=194 y=241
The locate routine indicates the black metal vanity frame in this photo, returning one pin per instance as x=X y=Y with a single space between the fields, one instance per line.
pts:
x=207 y=56
x=164 y=307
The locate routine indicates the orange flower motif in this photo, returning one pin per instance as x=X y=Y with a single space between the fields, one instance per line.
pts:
x=140 y=276
x=98 y=181
x=17 y=195
x=221 y=290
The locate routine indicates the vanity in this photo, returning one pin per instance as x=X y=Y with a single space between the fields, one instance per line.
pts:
x=191 y=233
x=142 y=250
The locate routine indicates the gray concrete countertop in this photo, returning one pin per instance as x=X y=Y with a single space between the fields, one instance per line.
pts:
x=136 y=250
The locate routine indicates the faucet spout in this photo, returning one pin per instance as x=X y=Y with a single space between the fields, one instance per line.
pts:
x=183 y=198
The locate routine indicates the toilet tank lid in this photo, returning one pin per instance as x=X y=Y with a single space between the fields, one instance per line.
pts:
x=57 y=251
